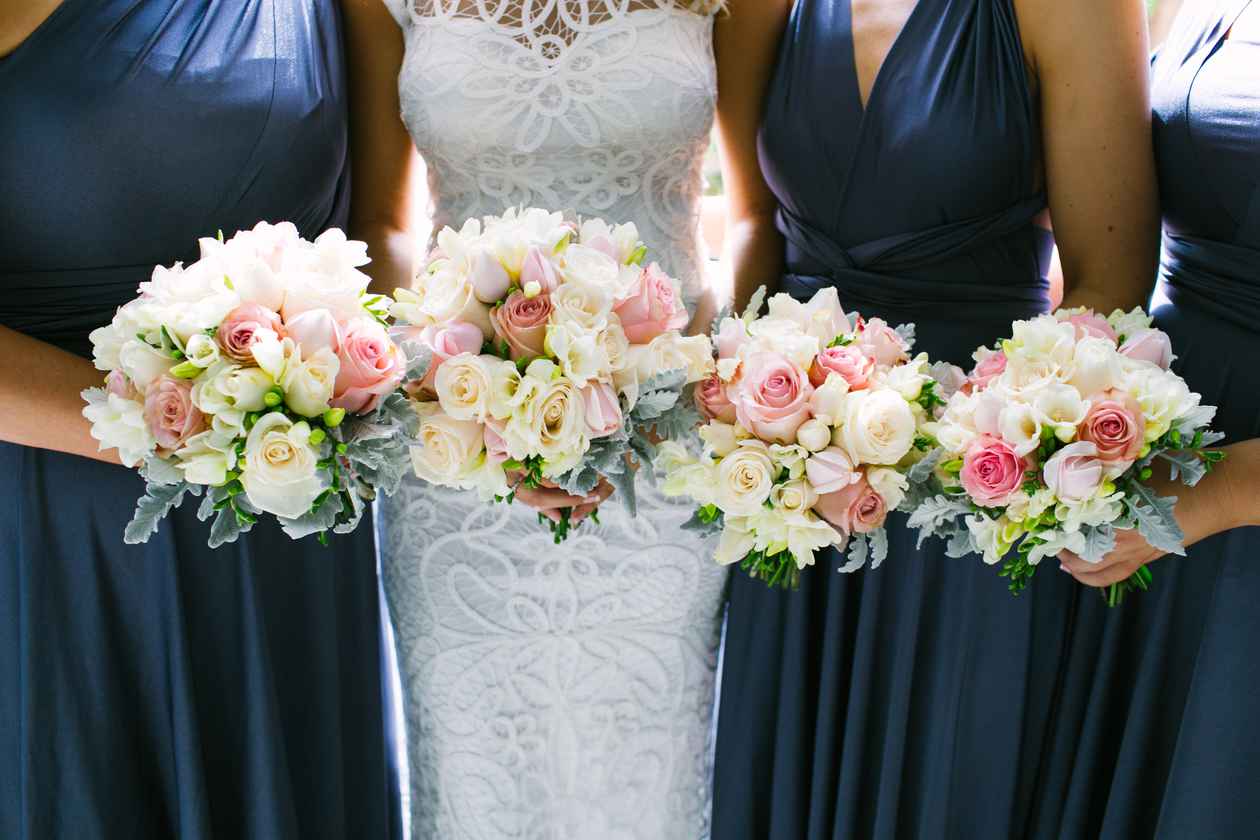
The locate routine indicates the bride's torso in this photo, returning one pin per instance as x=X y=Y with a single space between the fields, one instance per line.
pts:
x=593 y=107
x=557 y=692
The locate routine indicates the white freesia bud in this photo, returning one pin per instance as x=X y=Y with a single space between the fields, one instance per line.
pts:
x=828 y=400
x=490 y=280
x=720 y=438
x=1020 y=427
x=204 y=463
x=142 y=363
x=814 y=435
x=280 y=474
x=532 y=289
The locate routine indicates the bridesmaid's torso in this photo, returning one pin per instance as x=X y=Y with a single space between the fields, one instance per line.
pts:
x=133 y=127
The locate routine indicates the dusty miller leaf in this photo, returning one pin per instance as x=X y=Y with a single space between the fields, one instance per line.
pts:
x=323 y=518
x=858 y=550
x=623 y=483
x=158 y=500
x=704 y=529
x=933 y=515
x=879 y=547
x=1185 y=465
x=1153 y=516
x=1099 y=542
x=925 y=469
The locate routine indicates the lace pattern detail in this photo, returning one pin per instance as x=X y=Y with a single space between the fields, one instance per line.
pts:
x=557 y=692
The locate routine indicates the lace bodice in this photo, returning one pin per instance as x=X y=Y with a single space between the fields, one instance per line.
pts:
x=557 y=692
x=595 y=107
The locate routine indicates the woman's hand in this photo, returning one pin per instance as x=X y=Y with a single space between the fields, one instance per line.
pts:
x=1206 y=509
x=549 y=499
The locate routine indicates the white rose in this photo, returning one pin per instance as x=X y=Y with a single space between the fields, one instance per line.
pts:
x=142 y=363
x=879 y=427
x=308 y=383
x=586 y=306
x=583 y=266
x=449 y=449
x=190 y=300
x=326 y=276
x=231 y=388
x=1020 y=427
x=889 y=484
x=279 y=474
x=671 y=351
x=465 y=386
x=118 y=423
x=204 y=460
x=580 y=352
x=783 y=336
x=814 y=435
x=793 y=496
x=1061 y=408
x=745 y=479
x=550 y=423
x=1096 y=366
x=444 y=296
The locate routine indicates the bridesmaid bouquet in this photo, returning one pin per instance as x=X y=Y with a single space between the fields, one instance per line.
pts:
x=813 y=421
x=556 y=357
x=263 y=375
x=1047 y=443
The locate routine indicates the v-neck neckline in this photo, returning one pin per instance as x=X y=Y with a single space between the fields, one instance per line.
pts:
x=889 y=56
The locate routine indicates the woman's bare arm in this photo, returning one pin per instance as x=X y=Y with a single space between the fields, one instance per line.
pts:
x=1092 y=67
x=45 y=410
x=746 y=42
x=381 y=151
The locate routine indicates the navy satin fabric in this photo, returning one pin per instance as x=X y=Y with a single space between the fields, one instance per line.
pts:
x=1156 y=734
x=167 y=690
x=912 y=700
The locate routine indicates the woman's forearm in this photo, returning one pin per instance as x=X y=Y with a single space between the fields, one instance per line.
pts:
x=754 y=254
x=393 y=254
x=1235 y=483
x=46 y=410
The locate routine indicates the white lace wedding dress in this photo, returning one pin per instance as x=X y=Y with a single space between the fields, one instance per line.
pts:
x=557 y=692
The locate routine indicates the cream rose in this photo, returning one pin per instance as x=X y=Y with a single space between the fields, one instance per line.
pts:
x=280 y=473
x=449 y=449
x=232 y=388
x=879 y=427
x=745 y=479
x=465 y=386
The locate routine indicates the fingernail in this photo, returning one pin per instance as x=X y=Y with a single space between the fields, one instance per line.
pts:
x=1063 y=568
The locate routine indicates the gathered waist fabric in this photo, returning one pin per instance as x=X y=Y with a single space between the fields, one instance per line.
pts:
x=1219 y=278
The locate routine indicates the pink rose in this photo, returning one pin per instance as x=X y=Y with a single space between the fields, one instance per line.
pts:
x=652 y=307
x=447 y=341
x=857 y=509
x=1149 y=346
x=315 y=330
x=496 y=446
x=603 y=409
x=831 y=470
x=732 y=335
x=1115 y=426
x=991 y=472
x=881 y=342
x=490 y=280
x=1087 y=323
x=854 y=366
x=990 y=368
x=772 y=397
x=119 y=384
x=712 y=402
x=538 y=269
x=522 y=322
x=170 y=414
x=371 y=367
x=238 y=331
x=1074 y=473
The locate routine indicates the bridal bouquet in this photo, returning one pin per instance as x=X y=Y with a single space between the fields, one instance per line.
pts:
x=1046 y=445
x=263 y=375
x=813 y=421
x=556 y=357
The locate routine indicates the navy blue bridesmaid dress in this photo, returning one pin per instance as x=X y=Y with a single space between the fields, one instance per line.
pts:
x=1156 y=735
x=912 y=700
x=165 y=690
